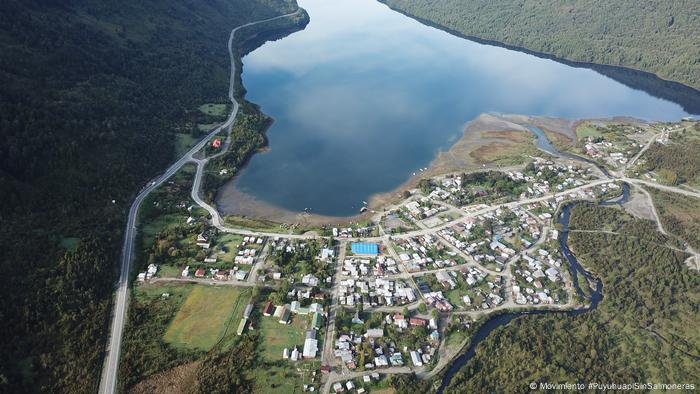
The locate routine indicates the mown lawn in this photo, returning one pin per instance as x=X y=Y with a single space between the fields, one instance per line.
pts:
x=276 y=336
x=205 y=316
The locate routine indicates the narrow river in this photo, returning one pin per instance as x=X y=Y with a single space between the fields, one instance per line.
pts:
x=594 y=285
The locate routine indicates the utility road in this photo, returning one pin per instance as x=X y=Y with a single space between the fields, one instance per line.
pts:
x=108 y=381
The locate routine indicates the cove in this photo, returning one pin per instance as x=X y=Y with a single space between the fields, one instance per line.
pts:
x=365 y=96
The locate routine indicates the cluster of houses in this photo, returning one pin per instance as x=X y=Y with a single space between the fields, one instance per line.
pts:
x=217 y=274
x=559 y=178
x=381 y=266
x=529 y=284
x=349 y=232
x=340 y=387
x=374 y=291
x=414 y=253
x=546 y=178
x=284 y=312
x=245 y=256
x=489 y=291
x=492 y=248
x=347 y=346
x=437 y=300
x=423 y=208
x=610 y=152
x=151 y=271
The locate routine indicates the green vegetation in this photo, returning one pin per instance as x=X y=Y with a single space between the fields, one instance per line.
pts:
x=246 y=138
x=680 y=215
x=184 y=143
x=144 y=351
x=659 y=37
x=227 y=371
x=587 y=130
x=205 y=316
x=69 y=243
x=678 y=161
x=303 y=259
x=213 y=109
x=277 y=336
x=643 y=330
x=91 y=94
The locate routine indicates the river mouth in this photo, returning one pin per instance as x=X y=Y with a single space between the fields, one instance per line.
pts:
x=364 y=97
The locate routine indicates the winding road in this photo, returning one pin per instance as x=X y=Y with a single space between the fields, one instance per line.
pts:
x=108 y=380
x=109 y=383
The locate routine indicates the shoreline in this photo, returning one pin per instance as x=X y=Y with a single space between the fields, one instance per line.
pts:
x=486 y=133
x=676 y=89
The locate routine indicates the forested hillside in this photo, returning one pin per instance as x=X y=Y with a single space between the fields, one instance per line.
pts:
x=658 y=36
x=91 y=94
x=642 y=331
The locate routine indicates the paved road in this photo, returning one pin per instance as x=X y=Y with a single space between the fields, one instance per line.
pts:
x=108 y=381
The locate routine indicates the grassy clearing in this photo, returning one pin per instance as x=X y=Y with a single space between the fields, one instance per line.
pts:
x=276 y=336
x=183 y=143
x=169 y=271
x=155 y=226
x=213 y=109
x=284 y=378
x=206 y=126
x=230 y=243
x=586 y=130
x=203 y=318
x=69 y=243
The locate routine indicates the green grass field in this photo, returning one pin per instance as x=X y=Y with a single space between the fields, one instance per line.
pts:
x=585 y=130
x=150 y=229
x=284 y=378
x=203 y=318
x=231 y=243
x=276 y=336
x=69 y=243
x=169 y=271
x=213 y=109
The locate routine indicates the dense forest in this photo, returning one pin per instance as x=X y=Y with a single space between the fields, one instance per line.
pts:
x=644 y=330
x=657 y=36
x=91 y=94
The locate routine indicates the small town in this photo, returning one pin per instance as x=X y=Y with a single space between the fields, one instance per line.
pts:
x=347 y=307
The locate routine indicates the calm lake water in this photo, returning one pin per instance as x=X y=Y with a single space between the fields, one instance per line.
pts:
x=365 y=96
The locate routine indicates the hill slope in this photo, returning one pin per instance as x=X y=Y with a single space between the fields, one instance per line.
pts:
x=91 y=95
x=658 y=36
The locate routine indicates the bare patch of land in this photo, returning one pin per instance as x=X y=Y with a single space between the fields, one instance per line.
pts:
x=638 y=205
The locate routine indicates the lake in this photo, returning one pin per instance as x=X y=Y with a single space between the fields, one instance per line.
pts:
x=365 y=96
